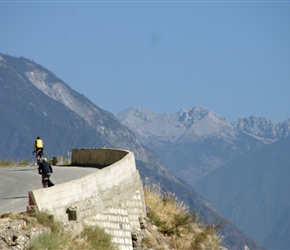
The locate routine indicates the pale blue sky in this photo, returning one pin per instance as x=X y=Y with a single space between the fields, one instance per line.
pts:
x=232 y=57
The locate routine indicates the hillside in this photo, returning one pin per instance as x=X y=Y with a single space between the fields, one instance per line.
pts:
x=34 y=102
x=254 y=191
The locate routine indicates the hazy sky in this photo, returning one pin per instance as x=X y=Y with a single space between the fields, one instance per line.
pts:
x=232 y=57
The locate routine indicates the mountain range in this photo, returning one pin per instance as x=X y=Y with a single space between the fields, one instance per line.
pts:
x=193 y=142
x=34 y=102
x=242 y=167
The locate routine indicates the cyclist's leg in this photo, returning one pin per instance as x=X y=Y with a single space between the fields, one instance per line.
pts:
x=38 y=155
x=43 y=182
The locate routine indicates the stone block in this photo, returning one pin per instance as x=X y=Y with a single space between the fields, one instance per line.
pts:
x=57 y=160
x=72 y=213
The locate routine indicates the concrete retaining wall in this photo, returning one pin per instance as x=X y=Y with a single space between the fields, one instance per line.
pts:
x=111 y=197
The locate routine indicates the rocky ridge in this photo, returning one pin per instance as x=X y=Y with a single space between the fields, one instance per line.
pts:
x=193 y=142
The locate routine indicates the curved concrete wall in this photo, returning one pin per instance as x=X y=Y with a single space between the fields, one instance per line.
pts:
x=111 y=197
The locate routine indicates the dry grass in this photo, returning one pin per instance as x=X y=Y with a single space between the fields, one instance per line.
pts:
x=181 y=228
x=91 y=238
x=12 y=216
x=13 y=163
x=97 y=238
x=7 y=163
x=52 y=235
x=66 y=161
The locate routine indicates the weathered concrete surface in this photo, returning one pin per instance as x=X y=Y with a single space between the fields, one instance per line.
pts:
x=103 y=157
x=111 y=197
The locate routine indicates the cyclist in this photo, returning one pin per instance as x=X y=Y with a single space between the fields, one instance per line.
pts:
x=38 y=149
x=45 y=170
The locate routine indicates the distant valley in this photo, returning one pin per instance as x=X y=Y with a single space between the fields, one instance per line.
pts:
x=253 y=191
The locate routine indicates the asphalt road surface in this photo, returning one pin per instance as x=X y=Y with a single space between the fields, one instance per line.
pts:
x=16 y=182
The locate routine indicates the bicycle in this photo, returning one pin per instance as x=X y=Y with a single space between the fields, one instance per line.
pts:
x=39 y=156
x=46 y=182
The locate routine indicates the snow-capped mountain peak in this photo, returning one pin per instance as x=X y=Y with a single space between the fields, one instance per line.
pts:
x=187 y=123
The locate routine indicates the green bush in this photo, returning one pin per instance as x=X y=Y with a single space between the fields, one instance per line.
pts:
x=97 y=238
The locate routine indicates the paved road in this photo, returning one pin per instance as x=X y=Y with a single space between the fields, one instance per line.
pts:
x=16 y=182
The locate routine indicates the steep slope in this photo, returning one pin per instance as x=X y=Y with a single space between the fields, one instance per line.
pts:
x=233 y=237
x=193 y=142
x=34 y=102
x=279 y=235
x=254 y=191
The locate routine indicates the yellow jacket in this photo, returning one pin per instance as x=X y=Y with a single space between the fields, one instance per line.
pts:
x=38 y=144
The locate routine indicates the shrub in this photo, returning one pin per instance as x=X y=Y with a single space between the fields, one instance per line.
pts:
x=47 y=240
x=12 y=163
x=24 y=162
x=91 y=238
x=97 y=238
x=6 y=163
x=182 y=228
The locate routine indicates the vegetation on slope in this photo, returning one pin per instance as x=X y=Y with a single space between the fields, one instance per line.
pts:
x=11 y=163
x=180 y=228
x=42 y=232
x=94 y=238
x=170 y=226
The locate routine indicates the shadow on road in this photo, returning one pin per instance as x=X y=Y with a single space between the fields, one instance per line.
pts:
x=24 y=169
x=17 y=197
